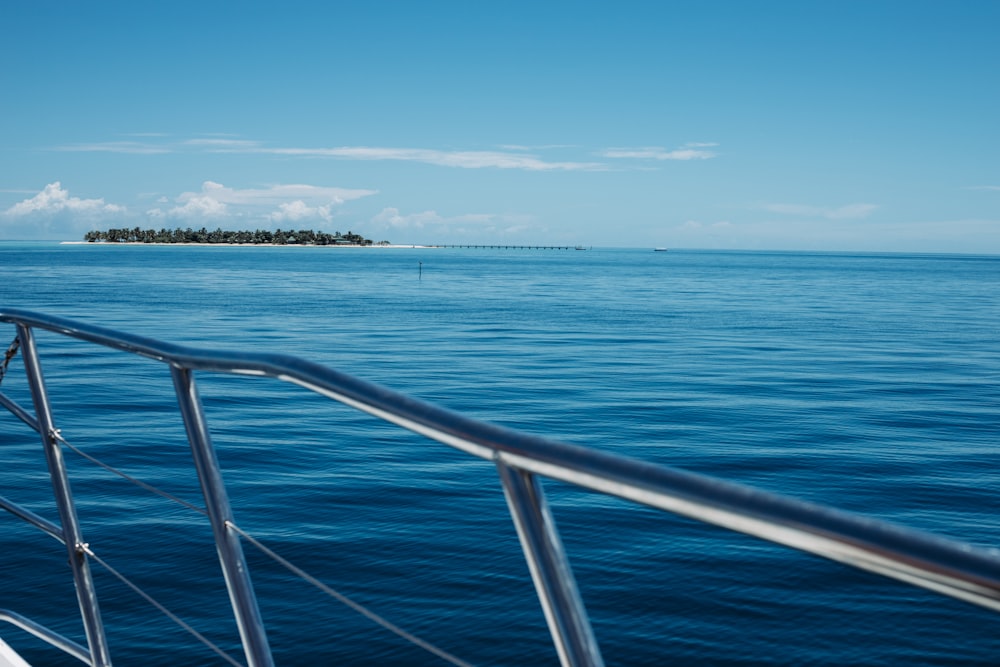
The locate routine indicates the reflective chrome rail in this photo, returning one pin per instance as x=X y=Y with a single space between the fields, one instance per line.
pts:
x=941 y=565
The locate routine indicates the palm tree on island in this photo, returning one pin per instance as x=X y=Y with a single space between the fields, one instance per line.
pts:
x=220 y=236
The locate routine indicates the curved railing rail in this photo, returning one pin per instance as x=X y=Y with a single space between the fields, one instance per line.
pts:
x=945 y=566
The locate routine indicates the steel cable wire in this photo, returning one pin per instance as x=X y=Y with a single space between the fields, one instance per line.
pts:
x=302 y=574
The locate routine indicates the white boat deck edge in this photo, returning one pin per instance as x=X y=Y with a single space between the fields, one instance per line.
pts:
x=9 y=657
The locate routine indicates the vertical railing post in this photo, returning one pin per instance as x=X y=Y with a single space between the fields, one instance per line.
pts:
x=564 y=612
x=220 y=514
x=86 y=594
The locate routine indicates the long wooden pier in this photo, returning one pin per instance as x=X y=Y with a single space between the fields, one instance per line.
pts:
x=511 y=247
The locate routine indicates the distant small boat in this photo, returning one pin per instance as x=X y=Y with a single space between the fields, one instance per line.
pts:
x=580 y=247
x=659 y=249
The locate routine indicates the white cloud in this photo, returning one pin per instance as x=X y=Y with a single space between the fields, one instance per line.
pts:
x=223 y=145
x=53 y=199
x=131 y=147
x=299 y=210
x=277 y=203
x=511 y=156
x=460 y=159
x=391 y=218
x=198 y=207
x=277 y=194
x=53 y=213
x=850 y=211
x=543 y=147
x=690 y=151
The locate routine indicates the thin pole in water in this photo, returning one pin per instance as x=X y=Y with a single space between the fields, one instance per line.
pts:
x=420 y=270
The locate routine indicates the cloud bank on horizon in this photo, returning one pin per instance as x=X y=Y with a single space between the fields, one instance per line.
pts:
x=51 y=209
x=50 y=212
x=54 y=212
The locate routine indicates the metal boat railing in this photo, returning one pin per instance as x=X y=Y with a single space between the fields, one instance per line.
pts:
x=945 y=566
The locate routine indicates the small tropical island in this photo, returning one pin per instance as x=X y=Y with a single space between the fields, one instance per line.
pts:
x=225 y=237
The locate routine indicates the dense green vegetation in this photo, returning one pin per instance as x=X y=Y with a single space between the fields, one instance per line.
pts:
x=277 y=237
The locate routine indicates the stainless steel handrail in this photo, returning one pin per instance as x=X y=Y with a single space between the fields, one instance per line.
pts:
x=945 y=566
x=55 y=639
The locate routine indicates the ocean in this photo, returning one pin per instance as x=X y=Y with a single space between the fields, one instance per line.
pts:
x=870 y=382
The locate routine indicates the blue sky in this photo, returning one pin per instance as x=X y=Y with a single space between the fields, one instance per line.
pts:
x=869 y=126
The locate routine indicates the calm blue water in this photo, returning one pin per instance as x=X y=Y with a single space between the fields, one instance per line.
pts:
x=871 y=382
